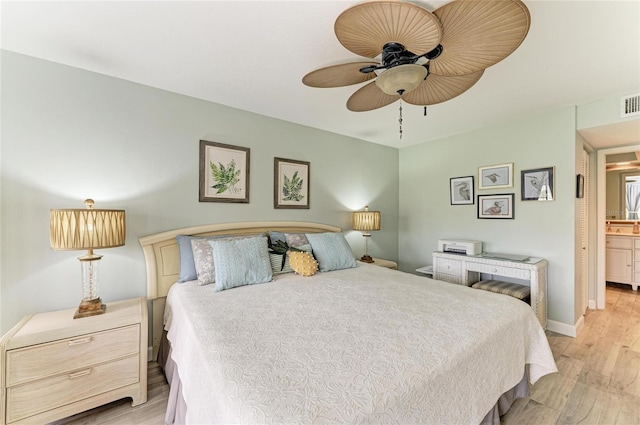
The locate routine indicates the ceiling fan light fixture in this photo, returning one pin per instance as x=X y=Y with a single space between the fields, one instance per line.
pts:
x=401 y=79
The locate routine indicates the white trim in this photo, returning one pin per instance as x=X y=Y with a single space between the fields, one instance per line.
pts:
x=150 y=354
x=601 y=191
x=579 y=325
x=563 y=328
x=592 y=305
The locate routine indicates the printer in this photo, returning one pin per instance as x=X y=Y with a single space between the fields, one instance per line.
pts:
x=460 y=246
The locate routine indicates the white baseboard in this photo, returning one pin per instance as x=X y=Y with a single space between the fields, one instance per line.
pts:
x=564 y=329
x=593 y=305
x=150 y=354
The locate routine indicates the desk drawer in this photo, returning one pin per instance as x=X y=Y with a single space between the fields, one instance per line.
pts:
x=499 y=270
x=67 y=388
x=443 y=265
x=40 y=361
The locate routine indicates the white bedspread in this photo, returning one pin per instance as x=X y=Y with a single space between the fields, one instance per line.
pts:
x=363 y=345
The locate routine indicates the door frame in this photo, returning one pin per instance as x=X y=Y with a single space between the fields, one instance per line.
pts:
x=601 y=190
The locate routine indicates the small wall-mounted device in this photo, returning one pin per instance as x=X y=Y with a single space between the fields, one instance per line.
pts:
x=460 y=246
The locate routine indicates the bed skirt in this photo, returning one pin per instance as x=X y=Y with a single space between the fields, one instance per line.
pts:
x=177 y=407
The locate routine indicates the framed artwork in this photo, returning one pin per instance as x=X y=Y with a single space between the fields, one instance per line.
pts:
x=290 y=184
x=495 y=176
x=224 y=173
x=461 y=190
x=495 y=206
x=537 y=184
x=580 y=186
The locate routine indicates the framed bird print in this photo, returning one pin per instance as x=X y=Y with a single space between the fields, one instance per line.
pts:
x=495 y=206
x=495 y=176
x=461 y=190
x=537 y=184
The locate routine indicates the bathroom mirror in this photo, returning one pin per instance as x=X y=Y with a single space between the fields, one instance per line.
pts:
x=623 y=187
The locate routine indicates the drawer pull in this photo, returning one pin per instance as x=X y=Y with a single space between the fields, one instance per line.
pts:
x=79 y=373
x=80 y=341
x=494 y=270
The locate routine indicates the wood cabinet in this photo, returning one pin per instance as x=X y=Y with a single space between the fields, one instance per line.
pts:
x=466 y=270
x=54 y=366
x=623 y=260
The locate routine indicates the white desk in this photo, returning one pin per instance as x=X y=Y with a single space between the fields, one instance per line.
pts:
x=465 y=270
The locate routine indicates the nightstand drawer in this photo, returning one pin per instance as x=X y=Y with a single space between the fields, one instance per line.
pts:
x=39 y=396
x=40 y=361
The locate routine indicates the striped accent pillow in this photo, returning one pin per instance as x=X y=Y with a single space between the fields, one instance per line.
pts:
x=507 y=288
x=276 y=263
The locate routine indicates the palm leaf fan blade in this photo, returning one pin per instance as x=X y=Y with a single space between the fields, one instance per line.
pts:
x=339 y=75
x=364 y=28
x=439 y=88
x=479 y=34
x=368 y=98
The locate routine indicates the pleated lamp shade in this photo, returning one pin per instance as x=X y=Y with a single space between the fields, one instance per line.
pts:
x=77 y=229
x=366 y=220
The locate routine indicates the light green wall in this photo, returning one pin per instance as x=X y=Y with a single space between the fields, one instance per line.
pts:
x=69 y=134
x=601 y=112
x=541 y=229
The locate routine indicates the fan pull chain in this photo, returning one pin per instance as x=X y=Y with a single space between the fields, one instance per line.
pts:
x=400 y=119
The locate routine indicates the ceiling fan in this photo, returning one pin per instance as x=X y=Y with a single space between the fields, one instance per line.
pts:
x=421 y=57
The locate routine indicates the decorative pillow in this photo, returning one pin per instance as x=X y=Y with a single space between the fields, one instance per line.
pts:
x=296 y=240
x=303 y=263
x=277 y=260
x=203 y=255
x=203 y=260
x=276 y=263
x=241 y=262
x=332 y=251
x=187 y=264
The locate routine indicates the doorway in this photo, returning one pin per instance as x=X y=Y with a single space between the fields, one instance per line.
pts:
x=601 y=190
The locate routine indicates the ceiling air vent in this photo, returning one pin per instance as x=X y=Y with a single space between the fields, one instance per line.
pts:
x=630 y=105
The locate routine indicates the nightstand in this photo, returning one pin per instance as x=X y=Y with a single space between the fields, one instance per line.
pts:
x=385 y=263
x=55 y=366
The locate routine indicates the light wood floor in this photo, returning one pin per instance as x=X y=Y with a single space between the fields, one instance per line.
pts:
x=599 y=371
x=598 y=381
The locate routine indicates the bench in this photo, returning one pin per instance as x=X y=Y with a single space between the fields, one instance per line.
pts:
x=521 y=292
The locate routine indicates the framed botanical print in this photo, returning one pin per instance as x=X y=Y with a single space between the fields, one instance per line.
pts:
x=495 y=176
x=224 y=173
x=495 y=206
x=291 y=184
x=461 y=190
x=537 y=184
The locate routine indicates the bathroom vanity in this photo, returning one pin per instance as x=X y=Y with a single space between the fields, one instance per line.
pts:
x=623 y=258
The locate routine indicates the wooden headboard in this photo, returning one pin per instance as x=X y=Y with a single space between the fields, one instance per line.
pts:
x=162 y=257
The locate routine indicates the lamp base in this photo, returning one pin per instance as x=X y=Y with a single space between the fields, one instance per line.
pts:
x=366 y=259
x=90 y=308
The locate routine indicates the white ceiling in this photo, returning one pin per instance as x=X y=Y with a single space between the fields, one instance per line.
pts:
x=252 y=55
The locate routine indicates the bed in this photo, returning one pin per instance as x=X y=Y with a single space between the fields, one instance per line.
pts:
x=360 y=344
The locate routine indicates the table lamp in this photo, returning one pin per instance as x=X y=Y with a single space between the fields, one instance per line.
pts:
x=366 y=221
x=76 y=229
